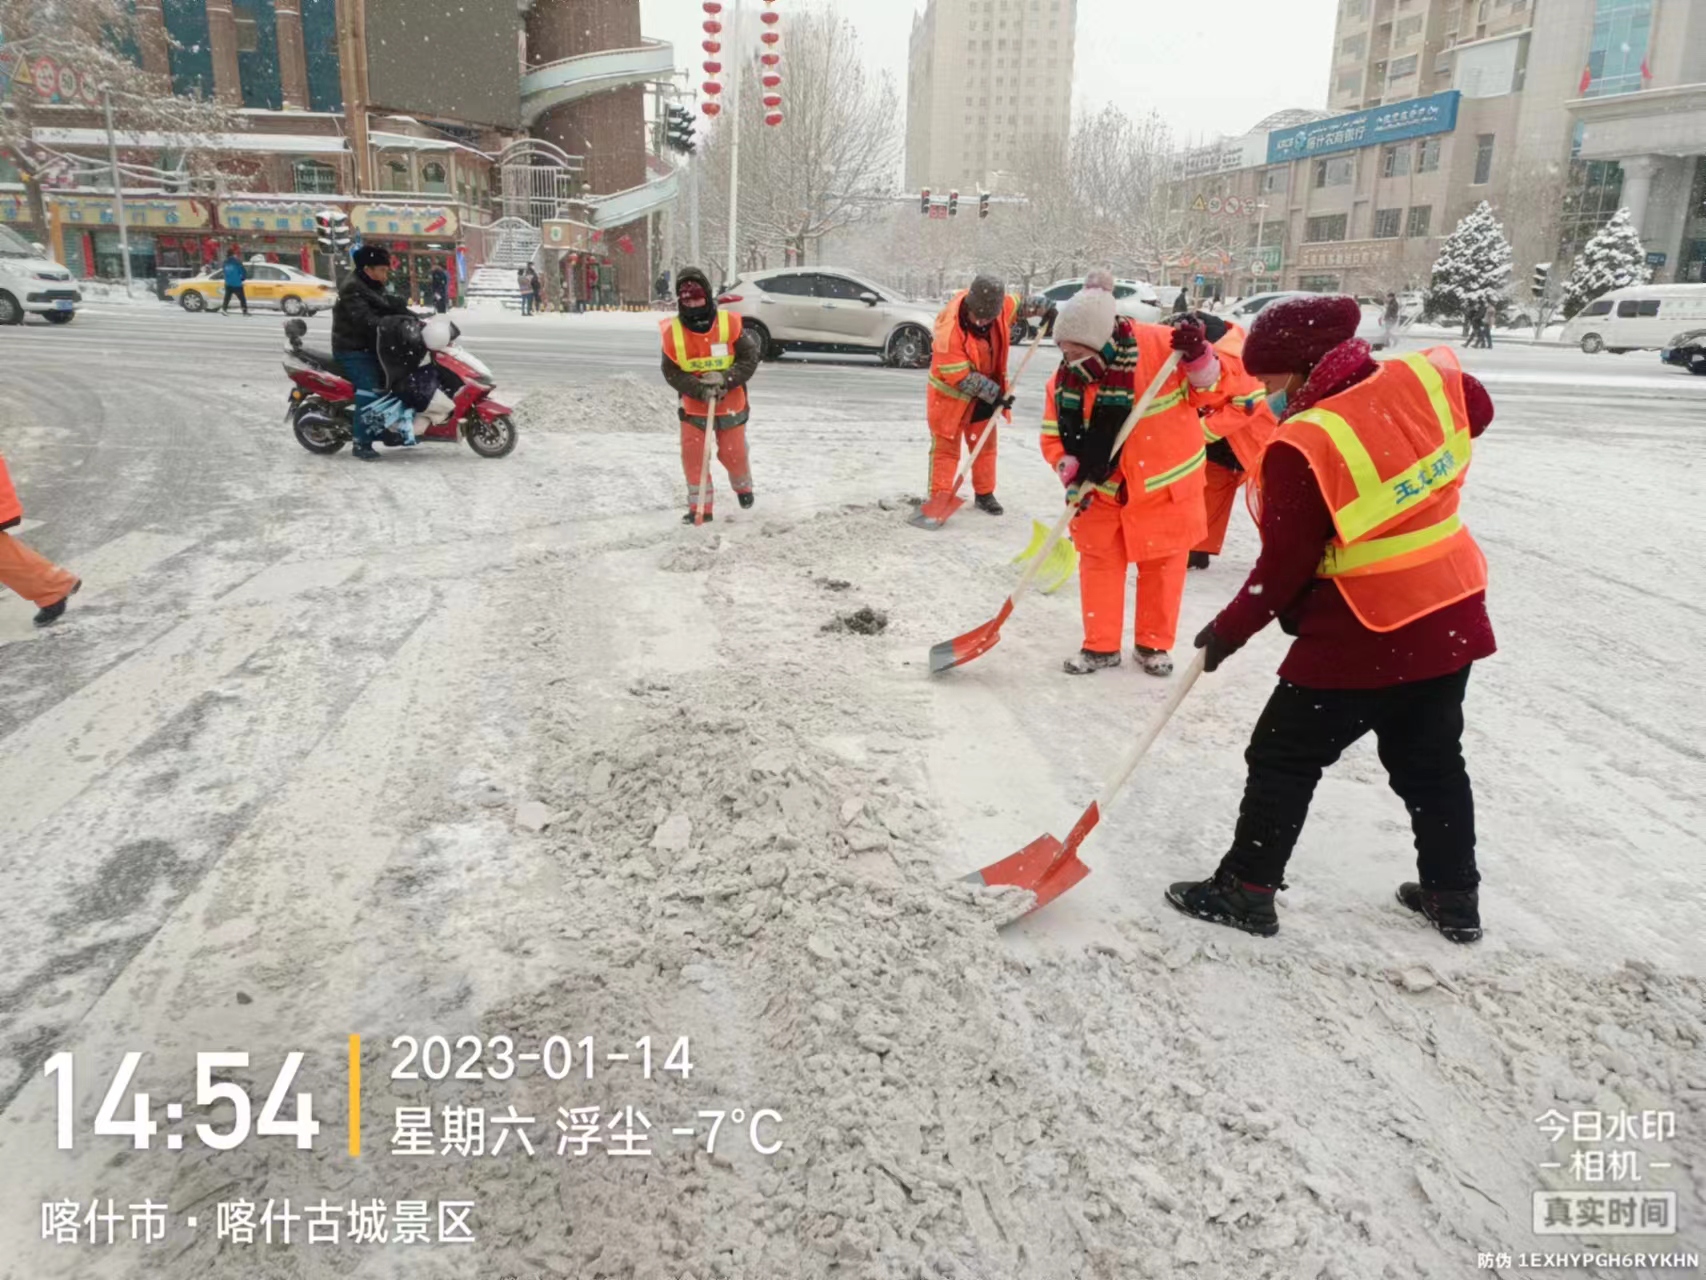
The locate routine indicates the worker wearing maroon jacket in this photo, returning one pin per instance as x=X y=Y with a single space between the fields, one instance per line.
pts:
x=1365 y=561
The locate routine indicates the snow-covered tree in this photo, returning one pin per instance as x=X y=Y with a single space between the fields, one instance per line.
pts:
x=1473 y=267
x=1612 y=259
x=88 y=38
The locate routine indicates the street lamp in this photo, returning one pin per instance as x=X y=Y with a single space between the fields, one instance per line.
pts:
x=118 y=186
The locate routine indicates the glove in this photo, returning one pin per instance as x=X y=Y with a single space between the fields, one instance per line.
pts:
x=1190 y=340
x=1005 y=403
x=1067 y=470
x=709 y=390
x=981 y=388
x=1216 y=650
x=714 y=378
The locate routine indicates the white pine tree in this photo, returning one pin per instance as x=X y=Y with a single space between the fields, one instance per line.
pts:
x=1473 y=267
x=1612 y=259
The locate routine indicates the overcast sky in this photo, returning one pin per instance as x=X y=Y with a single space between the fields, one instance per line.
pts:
x=1208 y=66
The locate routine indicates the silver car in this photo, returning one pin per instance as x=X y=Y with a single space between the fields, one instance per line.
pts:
x=820 y=309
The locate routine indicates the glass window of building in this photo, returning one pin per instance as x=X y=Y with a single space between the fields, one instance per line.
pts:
x=1621 y=32
x=1386 y=223
x=1349 y=82
x=1483 y=160
x=396 y=173
x=1273 y=180
x=1395 y=161
x=315 y=177
x=1353 y=46
x=320 y=47
x=1403 y=68
x=1355 y=9
x=257 y=53
x=1336 y=171
x=1407 y=28
x=1421 y=216
x=192 y=50
x=1325 y=228
x=433 y=180
x=1427 y=155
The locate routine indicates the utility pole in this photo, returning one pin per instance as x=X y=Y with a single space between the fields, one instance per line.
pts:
x=118 y=186
x=352 y=59
x=739 y=67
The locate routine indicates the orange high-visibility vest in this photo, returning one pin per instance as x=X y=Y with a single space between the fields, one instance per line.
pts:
x=1390 y=455
x=957 y=353
x=710 y=352
x=1241 y=418
x=11 y=510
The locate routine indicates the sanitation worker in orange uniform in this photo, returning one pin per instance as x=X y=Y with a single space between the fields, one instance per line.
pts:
x=33 y=576
x=1236 y=427
x=707 y=355
x=1367 y=562
x=1145 y=503
x=968 y=385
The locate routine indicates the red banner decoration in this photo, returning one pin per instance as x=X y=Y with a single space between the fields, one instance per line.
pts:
x=626 y=244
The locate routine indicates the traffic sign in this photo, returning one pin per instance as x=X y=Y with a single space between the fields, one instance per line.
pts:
x=1215 y=204
x=1258 y=268
x=46 y=76
x=1199 y=205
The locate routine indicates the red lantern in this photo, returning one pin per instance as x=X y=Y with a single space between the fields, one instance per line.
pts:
x=711 y=68
x=712 y=7
x=770 y=80
x=710 y=108
x=771 y=59
x=713 y=88
x=711 y=26
x=770 y=17
x=772 y=100
x=770 y=37
x=773 y=119
x=711 y=46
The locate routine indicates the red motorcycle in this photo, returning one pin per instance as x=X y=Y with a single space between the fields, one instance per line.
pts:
x=322 y=400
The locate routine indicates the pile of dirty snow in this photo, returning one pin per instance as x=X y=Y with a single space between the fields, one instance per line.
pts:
x=621 y=402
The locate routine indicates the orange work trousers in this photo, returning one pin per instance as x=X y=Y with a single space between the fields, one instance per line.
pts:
x=1220 y=492
x=32 y=575
x=1099 y=535
x=731 y=452
x=945 y=457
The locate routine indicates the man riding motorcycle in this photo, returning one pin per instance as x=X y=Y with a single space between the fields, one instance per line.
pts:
x=362 y=304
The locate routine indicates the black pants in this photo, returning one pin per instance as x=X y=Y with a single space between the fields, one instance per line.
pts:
x=235 y=291
x=1302 y=731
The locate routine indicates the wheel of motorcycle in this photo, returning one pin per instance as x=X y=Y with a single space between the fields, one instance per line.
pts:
x=315 y=433
x=494 y=439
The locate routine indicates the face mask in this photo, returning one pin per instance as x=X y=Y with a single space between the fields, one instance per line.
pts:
x=1277 y=401
x=1089 y=367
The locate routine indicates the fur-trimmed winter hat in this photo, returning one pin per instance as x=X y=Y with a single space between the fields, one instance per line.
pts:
x=1088 y=316
x=985 y=298
x=1291 y=335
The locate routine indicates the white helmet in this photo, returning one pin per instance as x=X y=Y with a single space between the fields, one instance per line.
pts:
x=437 y=334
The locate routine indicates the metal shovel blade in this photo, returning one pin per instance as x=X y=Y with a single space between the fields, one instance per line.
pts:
x=934 y=512
x=1045 y=868
x=973 y=644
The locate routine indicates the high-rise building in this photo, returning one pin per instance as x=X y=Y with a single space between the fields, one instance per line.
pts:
x=989 y=85
x=1555 y=112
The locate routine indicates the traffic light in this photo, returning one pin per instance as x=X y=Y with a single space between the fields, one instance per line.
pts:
x=983 y=205
x=924 y=202
x=332 y=230
x=1542 y=277
x=953 y=204
x=679 y=131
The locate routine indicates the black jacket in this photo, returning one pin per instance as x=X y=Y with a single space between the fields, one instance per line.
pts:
x=360 y=307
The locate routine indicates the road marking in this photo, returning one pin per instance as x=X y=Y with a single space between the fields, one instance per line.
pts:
x=286 y=581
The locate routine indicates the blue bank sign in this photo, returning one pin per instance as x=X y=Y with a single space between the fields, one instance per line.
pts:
x=1416 y=118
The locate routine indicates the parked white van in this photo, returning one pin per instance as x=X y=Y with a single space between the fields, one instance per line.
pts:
x=1641 y=315
x=30 y=281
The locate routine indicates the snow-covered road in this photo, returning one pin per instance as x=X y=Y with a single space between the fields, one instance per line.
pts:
x=258 y=792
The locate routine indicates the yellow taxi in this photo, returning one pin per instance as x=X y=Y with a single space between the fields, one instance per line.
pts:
x=270 y=284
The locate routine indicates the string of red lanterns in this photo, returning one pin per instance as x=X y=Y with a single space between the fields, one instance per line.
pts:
x=771 y=78
x=712 y=47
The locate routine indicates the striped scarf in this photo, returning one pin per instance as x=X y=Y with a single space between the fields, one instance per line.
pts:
x=1092 y=441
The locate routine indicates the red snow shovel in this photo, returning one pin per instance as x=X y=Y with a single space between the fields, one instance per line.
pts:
x=934 y=512
x=705 y=470
x=980 y=640
x=1047 y=867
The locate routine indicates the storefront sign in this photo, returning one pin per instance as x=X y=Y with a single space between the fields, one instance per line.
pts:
x=97 y=211
x=1415 y=118
x=562 y=233
x=377 y=221
x=1343 y=255
x=1270 y=259
x=1656 y=259
x=287 y=217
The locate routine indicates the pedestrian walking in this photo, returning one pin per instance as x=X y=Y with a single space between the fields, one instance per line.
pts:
x=235 y=274
x=707 y=355
x=1389 y=322
x=537 y=288
x=25 y=570
x=440 y=279
x=1383 y=588
x=1145 y=503
x=526 y=291
x=968 y=386
x=1181 y=304
x=1489 y=314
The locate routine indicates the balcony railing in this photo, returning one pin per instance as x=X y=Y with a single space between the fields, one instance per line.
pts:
x=569 y=79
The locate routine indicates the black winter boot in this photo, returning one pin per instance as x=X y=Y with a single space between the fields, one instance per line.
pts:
x=1456 y=913
x=1225 y=899
x=987 y=502
x=1088 y=660
x=50 y=614
x=365 y=452
x=746 y=500
x=1200 y=559
x=688 y=518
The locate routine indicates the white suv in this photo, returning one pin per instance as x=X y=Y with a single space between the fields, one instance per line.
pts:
x=31 y=281
x=825 y=310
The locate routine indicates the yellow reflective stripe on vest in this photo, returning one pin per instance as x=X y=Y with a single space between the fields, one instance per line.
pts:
x=1163 y=403
x=704 y=364
x=1378 y=500
x=947 y=389
x=1342 y=560
x=1177 y=474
